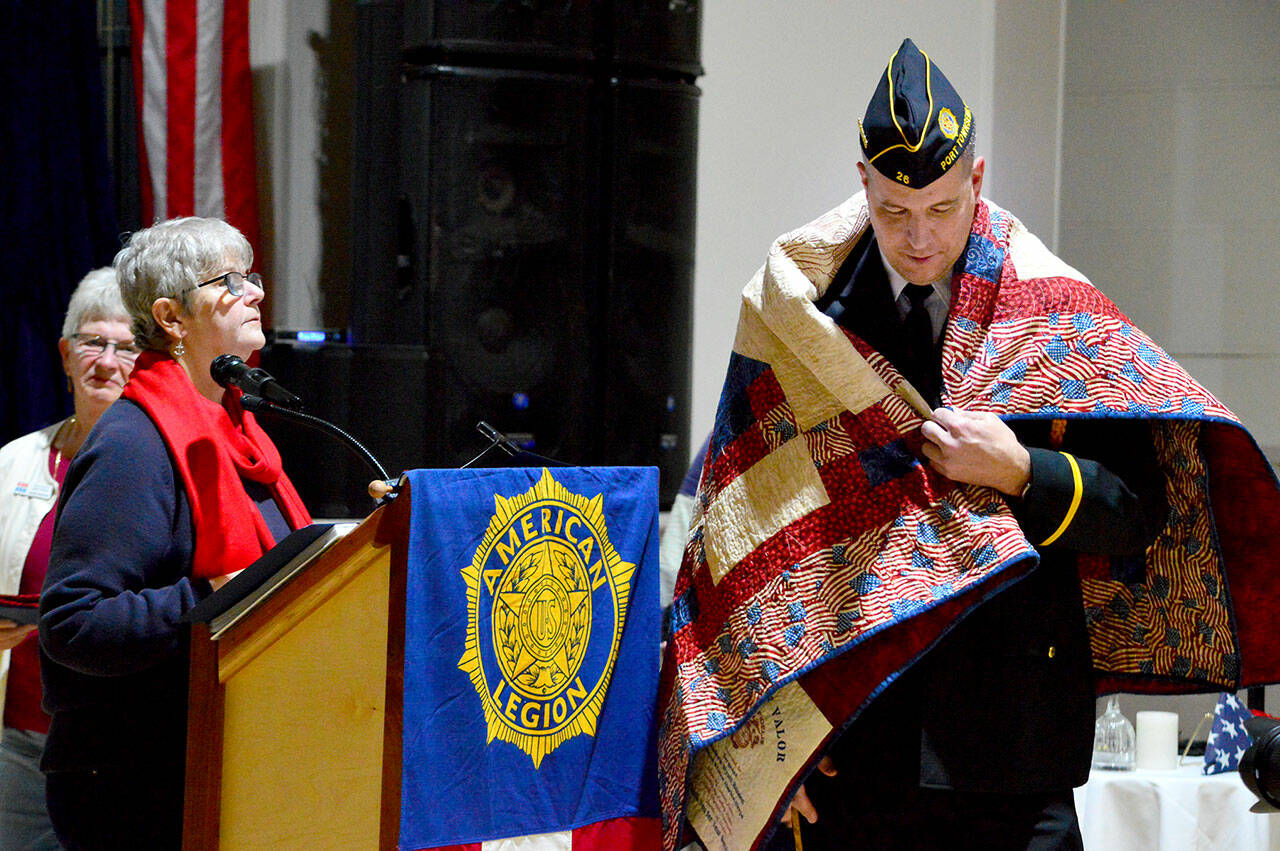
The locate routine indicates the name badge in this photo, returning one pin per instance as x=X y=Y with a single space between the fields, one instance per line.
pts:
x=33 y=491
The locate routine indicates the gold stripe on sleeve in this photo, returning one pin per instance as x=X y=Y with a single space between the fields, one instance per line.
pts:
x=1075 y=500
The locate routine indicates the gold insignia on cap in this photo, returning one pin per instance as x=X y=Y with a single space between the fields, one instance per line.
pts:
x=947 y=123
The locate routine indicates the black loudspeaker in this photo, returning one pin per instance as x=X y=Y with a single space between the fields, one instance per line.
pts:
x=386 y=307
x=657 y=36
x=502 y=176
x=646 y=36
x=524 y=225
x=531 y=29
x=648 y=308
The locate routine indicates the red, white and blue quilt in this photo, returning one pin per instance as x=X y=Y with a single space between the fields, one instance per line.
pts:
x=823 y=557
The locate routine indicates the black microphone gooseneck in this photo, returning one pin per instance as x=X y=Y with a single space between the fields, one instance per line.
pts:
x=258 y=405
x=261 y=394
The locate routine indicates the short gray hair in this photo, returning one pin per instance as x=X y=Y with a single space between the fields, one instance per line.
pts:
x=96 y=297
x=167 y=260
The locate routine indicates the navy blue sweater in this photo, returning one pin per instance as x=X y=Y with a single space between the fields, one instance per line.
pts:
x=114 y=656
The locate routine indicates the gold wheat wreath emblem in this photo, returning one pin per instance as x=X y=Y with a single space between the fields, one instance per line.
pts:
x=546 y=602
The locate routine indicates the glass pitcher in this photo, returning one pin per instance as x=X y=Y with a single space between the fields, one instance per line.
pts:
x=1113 y=739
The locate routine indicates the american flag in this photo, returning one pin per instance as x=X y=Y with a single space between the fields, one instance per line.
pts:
x=195 y=96
x=1228 y=739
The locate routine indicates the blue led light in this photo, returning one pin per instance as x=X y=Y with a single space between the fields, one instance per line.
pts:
x=312 y=336
x=520 y=401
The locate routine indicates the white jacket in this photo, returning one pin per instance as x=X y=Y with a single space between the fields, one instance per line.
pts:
x=27 y=493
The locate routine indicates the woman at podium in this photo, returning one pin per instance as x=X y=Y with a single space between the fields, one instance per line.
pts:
x=176 y=487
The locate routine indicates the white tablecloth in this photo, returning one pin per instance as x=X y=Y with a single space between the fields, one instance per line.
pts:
x=1180 y=810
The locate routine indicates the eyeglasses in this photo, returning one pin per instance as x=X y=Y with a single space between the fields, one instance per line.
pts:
x=91 y=345
x=235 y=282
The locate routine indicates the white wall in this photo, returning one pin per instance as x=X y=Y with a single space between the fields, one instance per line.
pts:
x=287 y=125
x=1171 y=178
x=1171 y=183
x=1024 y=149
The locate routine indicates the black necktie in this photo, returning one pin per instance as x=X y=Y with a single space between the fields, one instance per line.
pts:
x=921 y=367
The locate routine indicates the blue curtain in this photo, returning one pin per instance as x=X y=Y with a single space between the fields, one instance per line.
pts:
x=57 y=219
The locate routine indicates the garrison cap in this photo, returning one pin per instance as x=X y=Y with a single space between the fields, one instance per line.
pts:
x=916 y=125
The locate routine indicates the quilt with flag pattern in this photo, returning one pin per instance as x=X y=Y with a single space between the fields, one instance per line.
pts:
x=824 y=557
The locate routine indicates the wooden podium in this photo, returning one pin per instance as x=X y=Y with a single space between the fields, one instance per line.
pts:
x=295 y=708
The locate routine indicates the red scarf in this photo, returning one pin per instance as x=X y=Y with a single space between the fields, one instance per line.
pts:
x=214 y=447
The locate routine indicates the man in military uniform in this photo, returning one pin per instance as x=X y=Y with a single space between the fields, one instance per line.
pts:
x=980 y=742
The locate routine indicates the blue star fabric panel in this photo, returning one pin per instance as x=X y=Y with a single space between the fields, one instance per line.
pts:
x=1228 y=739
x=531 y=652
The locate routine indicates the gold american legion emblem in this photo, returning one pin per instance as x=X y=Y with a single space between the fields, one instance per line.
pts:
x=947 y=123
x=547 y=598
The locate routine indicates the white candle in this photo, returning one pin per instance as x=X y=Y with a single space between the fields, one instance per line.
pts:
x=1157 y=741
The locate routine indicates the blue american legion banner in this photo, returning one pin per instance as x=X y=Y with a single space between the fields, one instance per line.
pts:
x=531 y=655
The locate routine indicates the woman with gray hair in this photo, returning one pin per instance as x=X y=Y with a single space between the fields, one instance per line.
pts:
x=98 y=353
x=191 y=490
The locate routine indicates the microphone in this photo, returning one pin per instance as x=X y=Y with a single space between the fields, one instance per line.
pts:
x=230 y=370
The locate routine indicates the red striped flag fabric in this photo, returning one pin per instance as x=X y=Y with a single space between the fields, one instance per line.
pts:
x=195 y=101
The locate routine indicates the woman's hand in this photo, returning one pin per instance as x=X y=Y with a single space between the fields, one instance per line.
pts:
x=11 y=633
